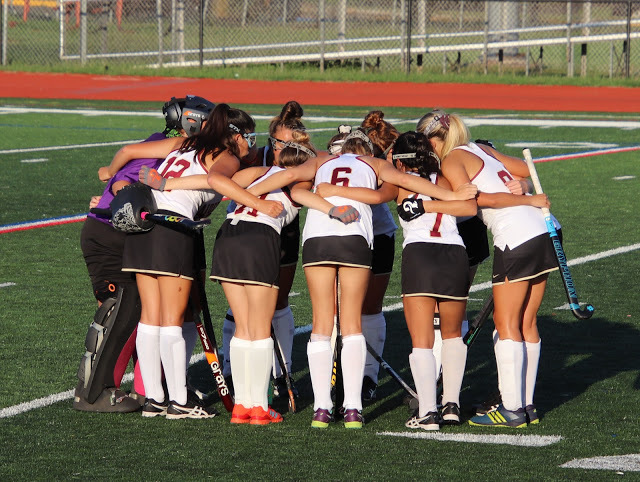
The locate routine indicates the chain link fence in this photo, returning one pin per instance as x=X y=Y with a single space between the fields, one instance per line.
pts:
x=587 y=38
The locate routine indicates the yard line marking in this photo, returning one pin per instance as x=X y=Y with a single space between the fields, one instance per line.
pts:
x=23 y=226
x=623 y=178
x=621 y=463
x=71 y=146
x=500 y=439
x=6 y=285
x=31 y=161
x=578 y=155
x=43 y=402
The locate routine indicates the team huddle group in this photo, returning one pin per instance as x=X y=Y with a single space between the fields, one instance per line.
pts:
x=448 y=191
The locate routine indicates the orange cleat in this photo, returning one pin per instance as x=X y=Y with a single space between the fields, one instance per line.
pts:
x=260 y=416
x=240 y=414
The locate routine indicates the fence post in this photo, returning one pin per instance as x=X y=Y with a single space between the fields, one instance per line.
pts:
x=83 y=32
x=5 y=12
x=342 y=23
x=583 y=60
x=201 y=35
x=408 y=32
x=569 y=47
x=160 y=33
x=485 y=53
x=323 y=22
x=628 y=56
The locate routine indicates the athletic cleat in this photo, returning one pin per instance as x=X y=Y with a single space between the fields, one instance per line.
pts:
x=322 y=418
x=369 y=388
x=450 y=414
x=501 y=417
x=280 y=388
x=431 y=421
x=353 y=418
x=240 y=414
x=488 y=405
x=151 y=408
x=260 y=416
x=191 y=409
x=532 y=414
x=110 y=400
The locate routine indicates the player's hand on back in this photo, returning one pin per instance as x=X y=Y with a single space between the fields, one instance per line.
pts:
x=345 y=214
x=152 y=178
x=466 y=191
x=270 y=208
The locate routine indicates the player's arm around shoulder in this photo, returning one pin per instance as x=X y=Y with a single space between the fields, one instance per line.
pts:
x=287 y=177
x=454 y=208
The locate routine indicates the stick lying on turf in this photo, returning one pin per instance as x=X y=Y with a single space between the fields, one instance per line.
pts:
x=567 y=280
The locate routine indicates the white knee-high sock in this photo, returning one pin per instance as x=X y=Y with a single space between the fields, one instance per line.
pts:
x=320 y=359
x=228 y=330
x=354 y=352
x=284 y=328
x=496 y=337
x=437 y=345
x=374 y=329
x=148 y=348
x=510 y=357
x=172 y=352
x=454 y=359
x=240 y=371
x=532 y=359
x=190 y=335
x=422 y=363
x=260 y=361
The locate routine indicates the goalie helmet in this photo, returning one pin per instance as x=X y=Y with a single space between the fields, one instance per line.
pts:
x=186 y=113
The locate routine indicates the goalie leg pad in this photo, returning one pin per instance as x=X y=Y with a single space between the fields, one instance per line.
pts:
x=112 y=326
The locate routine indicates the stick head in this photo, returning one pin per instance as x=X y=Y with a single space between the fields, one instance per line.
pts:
x=583 y=313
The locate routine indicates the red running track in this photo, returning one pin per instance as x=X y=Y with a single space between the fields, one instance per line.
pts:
x=366 y=94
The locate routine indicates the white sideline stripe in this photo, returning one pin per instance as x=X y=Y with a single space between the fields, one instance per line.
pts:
x=72 y=146
x=620 y=463
x=623 y=178
x=31 y=161
x=5 y=285
x=43 y=402
x=499 y=439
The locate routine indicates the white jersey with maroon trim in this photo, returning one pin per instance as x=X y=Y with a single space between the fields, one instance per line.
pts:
x=288 y=214
x=510 y=226
x=182 y=201
x=430 y=227
x=350 y=171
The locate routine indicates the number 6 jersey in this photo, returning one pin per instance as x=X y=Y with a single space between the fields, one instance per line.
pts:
x=347 y=170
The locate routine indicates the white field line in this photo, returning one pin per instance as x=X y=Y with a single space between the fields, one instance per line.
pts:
x=43 y=402
x=619 y=463
x=501 y=439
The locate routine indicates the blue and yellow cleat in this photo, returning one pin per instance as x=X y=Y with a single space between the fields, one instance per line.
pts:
x=501 y=417
x=532 y=414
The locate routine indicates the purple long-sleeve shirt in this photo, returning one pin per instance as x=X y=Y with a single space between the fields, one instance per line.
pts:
x=128 y=173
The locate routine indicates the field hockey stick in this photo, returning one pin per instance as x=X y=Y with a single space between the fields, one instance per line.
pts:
x=470 y=336
x=336 y=374
x=165 y=219
x=285 y=371
x=391 y=371
x=569 y=287
x=206 y=333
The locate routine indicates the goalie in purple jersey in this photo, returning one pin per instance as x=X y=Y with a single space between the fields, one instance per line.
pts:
x=110 y=341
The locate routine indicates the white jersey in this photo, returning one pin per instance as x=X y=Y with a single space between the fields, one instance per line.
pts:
x=350 y=171
x=288 y=214
x=430 y=227
x=383 y=222
x=511 y=226
x=182 y=201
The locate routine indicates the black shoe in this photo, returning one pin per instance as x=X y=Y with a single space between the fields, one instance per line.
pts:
x=431 y=421
x=369 y=388
x=191 y=409
x=488 y=405
x=450 y=414
x=280 y=387
x=152 y=408
x=110 y=400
